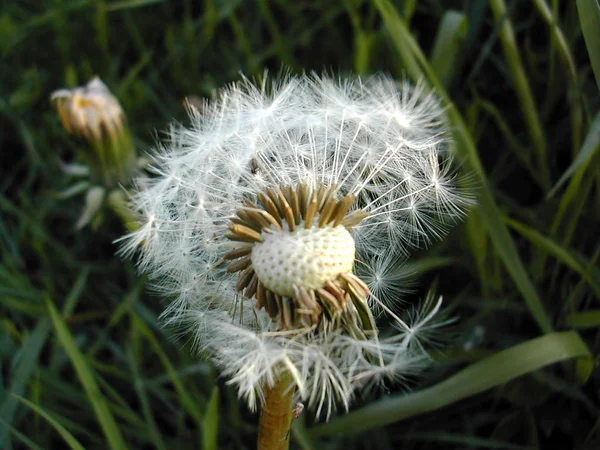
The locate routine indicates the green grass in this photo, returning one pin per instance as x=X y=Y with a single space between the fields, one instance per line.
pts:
x=84 y=360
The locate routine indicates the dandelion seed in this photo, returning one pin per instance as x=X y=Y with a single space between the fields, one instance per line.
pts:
x=276 y=222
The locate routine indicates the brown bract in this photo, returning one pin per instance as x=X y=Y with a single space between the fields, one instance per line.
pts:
x=342 y=299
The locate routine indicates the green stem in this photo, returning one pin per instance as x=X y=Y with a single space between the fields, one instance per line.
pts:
x=276 y=415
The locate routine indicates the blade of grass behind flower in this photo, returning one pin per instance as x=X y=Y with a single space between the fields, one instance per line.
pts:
x=9 y=246
x=20 y=305
x=71 y=394
x=512 y=143
x=493 y=371
x=130 y=4
x=76 y=292
x=560 y=253
x=211 y=18
x=591 y=145
x=363 y=38
x=86 y=376
x=66 y=435
x=191 y=406
x=430 y=263
x=210 y=424
x=151 y=426
x=465 y=440
x=301 y=434
x=101 y=23
x=559 y=41
x=589 y=16
x=41 y=20
x=587 y=319
x=477 y=238
x=125 y=414
x=20 y=436
x=241 y=37
x=522 y=87
x=33 y=226
x=125 y=305
x=280 y=42
x=575 y=198
x=412 y=56
x=447 y=49
x=134 y=73
x=24 y=364
x=398 y=31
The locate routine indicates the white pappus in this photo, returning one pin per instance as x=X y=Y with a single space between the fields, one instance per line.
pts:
x=263 y=216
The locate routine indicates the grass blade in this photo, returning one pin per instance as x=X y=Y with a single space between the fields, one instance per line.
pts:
x=21 y=437
x=23 y=367
x=414 y=59
x=522 y=87
x=68 y=437
x=589 y=16
x=560 y=253
x=301 y=434
x=139 y=385
x=591 y=145
x=587 y=319
x=478 y=377
x=447 y=50
x=86 y=376
x=130 y=4
x=562 y=46
x=465 y=440
x=186 y=400
x=210 y=424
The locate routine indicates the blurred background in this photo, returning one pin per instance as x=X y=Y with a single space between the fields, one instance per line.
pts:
x=84 y=360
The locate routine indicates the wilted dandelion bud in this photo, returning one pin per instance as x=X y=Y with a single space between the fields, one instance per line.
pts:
x=92 y=112
x=274 y=219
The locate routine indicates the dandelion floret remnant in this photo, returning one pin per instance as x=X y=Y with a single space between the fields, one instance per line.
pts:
x=94 y=113
x=295 y=255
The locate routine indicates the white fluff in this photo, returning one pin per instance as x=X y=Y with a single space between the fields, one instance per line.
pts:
x=382 y=141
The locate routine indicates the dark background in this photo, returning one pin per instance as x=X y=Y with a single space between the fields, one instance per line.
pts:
x=83 y=358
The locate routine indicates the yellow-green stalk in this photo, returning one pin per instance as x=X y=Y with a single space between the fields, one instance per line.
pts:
x=276 y=415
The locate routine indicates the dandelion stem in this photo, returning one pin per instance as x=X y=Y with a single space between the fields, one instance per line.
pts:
x=276 y=415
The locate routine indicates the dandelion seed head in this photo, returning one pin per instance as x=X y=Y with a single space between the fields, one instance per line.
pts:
x=276 y=220
x=306 y=258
